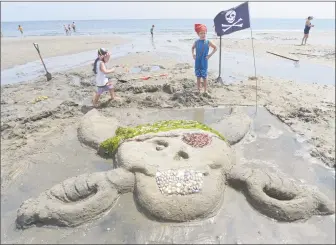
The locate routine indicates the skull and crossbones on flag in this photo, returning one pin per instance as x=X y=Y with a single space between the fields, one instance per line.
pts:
x=232 y=20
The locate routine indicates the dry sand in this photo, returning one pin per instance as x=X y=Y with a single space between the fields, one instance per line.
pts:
x=27 y=127
x=18 y=51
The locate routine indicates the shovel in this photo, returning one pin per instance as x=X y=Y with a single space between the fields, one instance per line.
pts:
x=48 y=75
x=219 y=80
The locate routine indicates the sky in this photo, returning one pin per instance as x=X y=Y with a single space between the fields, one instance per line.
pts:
x=30 y=11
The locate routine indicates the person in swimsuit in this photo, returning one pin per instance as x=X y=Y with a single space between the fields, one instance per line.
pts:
x=152 y=30
x=69 y=29
x=202 y=55
x=307 y=29
x=20 y=29
x=73 y=26
x=102 y=82
x=66 y=30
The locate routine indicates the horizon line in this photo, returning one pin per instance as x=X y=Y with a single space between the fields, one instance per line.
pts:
x=160 y=19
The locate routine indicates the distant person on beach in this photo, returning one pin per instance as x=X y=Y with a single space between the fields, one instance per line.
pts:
x=66 y=30
x=306 y=30
x=69 y=29
x=202 y=55
x=73 y=26
x=152 y=30
x=20 y=29
x=102 y=82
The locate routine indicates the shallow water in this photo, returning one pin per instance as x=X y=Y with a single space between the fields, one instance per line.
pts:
x=235 y=65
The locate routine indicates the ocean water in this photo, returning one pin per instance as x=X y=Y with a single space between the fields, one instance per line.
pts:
x=183 y=27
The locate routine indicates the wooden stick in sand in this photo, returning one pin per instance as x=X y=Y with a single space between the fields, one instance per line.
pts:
x=296 y=60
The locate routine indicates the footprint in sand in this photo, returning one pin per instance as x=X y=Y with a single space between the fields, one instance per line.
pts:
x=300 y=138
x=250 y=137
x=268 y=131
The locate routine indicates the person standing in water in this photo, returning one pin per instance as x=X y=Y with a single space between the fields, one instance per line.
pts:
x=102 y=82
x=66 y=30
x=69 y=28
x=73 y=26
x=20 y=29
x=202 y=55
x=152 y=30
x=306 y=30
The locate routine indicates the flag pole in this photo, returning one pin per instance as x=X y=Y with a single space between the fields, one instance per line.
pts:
x=254 y=62
x=219 y=79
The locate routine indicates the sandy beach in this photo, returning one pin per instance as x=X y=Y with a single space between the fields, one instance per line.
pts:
x=308 y=109
x=288 y=44
x=31 y=129
x=18 y=51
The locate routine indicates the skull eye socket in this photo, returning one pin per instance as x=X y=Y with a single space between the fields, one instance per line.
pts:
x=161 y=144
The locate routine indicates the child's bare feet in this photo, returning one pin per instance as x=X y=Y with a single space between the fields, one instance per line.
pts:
x=206 y=94
x=114 y=98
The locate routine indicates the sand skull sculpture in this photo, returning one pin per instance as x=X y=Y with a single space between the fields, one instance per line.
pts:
x=177 y=170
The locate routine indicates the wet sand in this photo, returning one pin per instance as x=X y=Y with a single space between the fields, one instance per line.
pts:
x=316 y=62
x=319 y=49
x=308 y=109
x=320 y=46
x=18 y=51
x=39 y=141
x=237 y=222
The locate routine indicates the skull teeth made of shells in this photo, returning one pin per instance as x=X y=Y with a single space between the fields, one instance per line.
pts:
x=191 y=166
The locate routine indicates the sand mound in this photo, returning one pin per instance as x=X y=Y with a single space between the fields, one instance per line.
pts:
x=234 y=126
x=277 y=196
x=95 y=128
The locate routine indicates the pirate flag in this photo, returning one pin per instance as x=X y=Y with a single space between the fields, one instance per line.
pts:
x=232 y=20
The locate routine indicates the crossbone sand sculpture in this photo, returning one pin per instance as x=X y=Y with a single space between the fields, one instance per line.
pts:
x=178 y=172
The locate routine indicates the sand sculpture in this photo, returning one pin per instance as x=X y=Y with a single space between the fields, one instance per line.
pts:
x=177 y=171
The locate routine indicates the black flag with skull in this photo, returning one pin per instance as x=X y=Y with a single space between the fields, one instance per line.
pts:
x=232 y=20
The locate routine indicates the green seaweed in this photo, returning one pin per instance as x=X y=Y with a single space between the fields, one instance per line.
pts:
x=123 y=133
